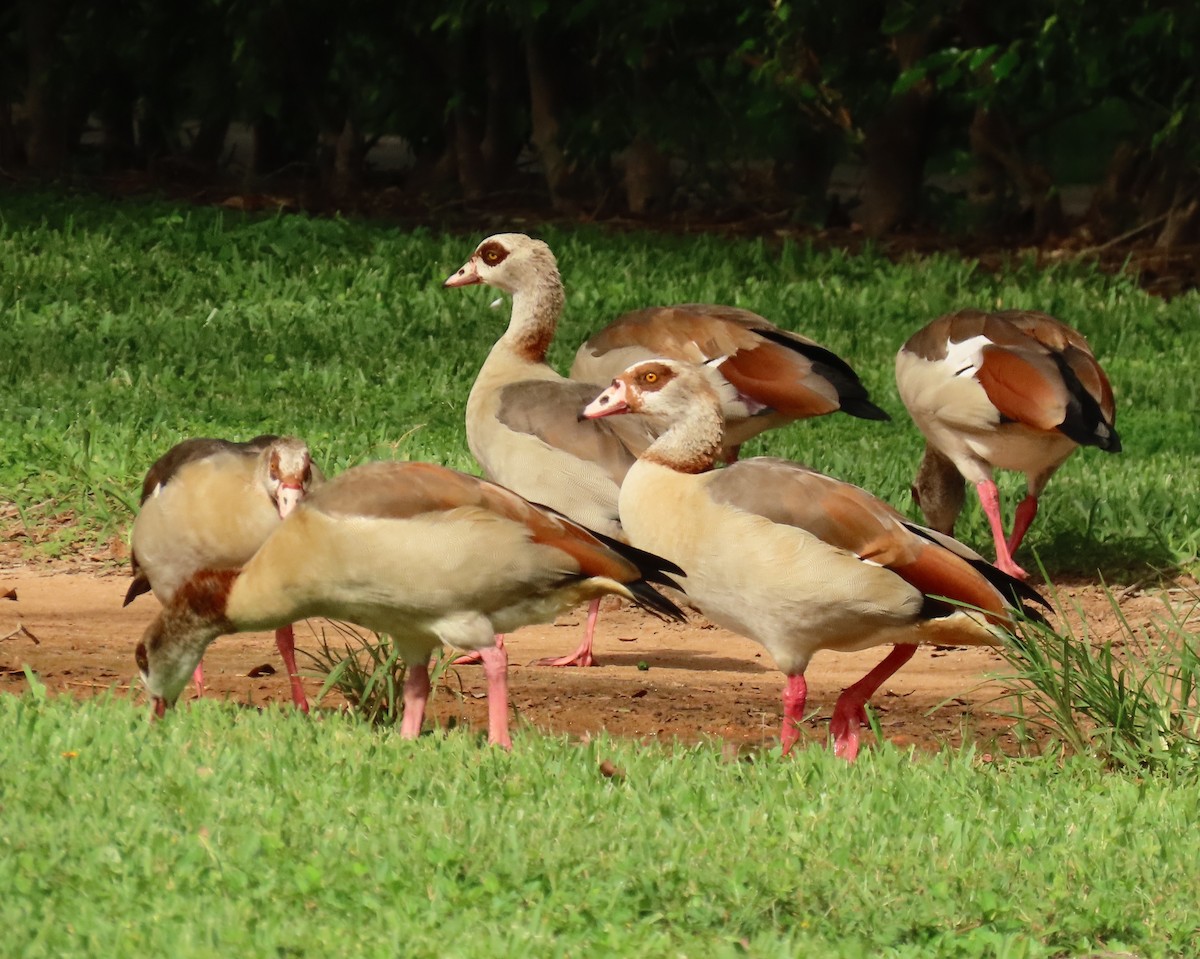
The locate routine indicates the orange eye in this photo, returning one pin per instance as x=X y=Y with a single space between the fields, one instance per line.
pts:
x=491 y=256
x=651 y=377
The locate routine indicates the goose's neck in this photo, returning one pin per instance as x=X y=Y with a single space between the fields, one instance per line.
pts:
x=691 y=444
x=535 y=313
x=940 y=489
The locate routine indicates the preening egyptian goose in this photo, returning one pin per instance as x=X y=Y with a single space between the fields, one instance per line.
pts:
x=523 y=424
x=1010 y=390
x=420 y=552
x=779 y=376
x=787 y=556
x=210 y=504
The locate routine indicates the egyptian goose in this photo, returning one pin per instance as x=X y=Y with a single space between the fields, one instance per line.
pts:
x=210 y=504
x=1010 y=390
x=523 y=424
x=779 y=376
x=789 y=557
x=420 y=552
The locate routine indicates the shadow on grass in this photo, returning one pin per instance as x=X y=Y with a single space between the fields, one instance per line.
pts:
x=1114 y=560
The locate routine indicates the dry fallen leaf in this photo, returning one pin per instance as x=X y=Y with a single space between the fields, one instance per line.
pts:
x=610 y=771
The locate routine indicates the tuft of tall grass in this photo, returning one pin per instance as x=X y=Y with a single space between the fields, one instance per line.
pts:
x=1133 y=701
x=366 y=669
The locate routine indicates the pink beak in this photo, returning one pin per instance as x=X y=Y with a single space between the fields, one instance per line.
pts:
x=288 y=499
x=467 y=276
x=612 y=401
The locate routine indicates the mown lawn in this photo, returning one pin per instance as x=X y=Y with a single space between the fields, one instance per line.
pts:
x=225 y=833
x=131 y=325
x=220 y=832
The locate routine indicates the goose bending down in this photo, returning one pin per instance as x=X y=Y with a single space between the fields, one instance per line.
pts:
x=210 y=504
x=789 y=557
x=1010 y=390
x=420 y=552
x=779 y=376
x=523 y=424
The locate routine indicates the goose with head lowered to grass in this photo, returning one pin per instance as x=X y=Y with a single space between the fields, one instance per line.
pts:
x=210 y=504
x=523 y=423
x=1014 y=390
x=792 y=558
x=779 y=376
x=425 y=554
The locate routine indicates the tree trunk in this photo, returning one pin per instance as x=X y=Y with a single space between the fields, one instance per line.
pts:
x=349 y=153
x=1000 y=163
x=46 y=148
x=896 y=147
x=543 y=110
x=465 y=125
x=208 y=144
x=647 y=177
x=499 y=146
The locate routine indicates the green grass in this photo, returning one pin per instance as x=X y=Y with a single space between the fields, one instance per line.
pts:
x=1132 y=701
x=228 y=832
x=222 y=832
x=130 y=325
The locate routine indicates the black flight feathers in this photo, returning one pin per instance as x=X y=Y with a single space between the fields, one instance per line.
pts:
x=852 y=395
x=1016 y=591
x=654 y=569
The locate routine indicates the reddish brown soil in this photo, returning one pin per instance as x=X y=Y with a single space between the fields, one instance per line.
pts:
x=658 y=680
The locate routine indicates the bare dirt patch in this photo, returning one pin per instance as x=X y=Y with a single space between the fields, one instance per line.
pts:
x=658 y=680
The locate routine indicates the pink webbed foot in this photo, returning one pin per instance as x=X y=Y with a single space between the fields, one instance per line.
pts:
x=583 y=655
x=285 y=639
x=475 y=658
x=495 y=664
x=795 y=694
x=1006 y=565
x=198 y=679
x=416 y=695
x=848 y=719
x=850 y=712
x=989 y=499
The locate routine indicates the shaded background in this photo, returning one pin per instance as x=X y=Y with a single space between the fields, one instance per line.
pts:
x=1022 y=120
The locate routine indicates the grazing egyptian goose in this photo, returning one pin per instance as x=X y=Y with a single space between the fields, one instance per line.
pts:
x=1010 y=390
x=210 y=504
x=789 y=557
x=779 y=376
x=420 y=552
x=523 y=424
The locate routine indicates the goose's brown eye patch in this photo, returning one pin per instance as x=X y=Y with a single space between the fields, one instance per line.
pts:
x=493 y=253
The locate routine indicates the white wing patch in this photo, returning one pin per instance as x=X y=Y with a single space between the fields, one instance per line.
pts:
x=964 y=357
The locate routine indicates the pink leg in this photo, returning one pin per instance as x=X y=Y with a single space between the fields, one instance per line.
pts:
x=470 y=659
x=198 y=679
x=989 y=497
x=1025 y=514
x=416 y=695
x=285 y=639
x=583 y=655
x=495 y=665
x=850 y=714
x=795 y=693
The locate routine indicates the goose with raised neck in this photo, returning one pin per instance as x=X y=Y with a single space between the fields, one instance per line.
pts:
x=792 y=558
x=522 y=418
